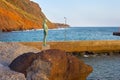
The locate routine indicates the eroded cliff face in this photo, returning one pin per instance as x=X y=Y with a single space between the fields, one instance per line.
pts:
x=21 y=15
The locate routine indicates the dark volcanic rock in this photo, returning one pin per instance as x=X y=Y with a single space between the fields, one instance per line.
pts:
x=22 y=62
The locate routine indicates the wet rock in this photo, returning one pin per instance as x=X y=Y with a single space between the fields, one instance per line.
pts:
x=7 y=74
x=22 y=62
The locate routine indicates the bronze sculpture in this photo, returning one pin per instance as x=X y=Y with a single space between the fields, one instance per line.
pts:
x=45 y=29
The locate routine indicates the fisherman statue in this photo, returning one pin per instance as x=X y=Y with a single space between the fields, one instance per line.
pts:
x=45 y=29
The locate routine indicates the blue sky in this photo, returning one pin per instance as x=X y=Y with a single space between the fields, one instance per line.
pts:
x=82 y=12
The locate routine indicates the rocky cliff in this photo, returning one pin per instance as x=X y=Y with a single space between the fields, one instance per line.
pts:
x=21 y=15
x=61 y=25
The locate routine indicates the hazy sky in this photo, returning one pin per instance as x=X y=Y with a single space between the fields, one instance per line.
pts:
x=82 y=12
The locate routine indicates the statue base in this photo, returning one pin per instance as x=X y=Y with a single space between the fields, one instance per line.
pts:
x=45 y=47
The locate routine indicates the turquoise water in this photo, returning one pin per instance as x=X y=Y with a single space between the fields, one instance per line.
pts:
x=72 y=33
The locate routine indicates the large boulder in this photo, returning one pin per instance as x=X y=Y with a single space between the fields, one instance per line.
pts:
x=65 y=67
x=7 y=74
x=55 y=64
x=52 y=64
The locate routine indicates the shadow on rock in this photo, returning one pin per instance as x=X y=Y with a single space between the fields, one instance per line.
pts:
x=22 y=62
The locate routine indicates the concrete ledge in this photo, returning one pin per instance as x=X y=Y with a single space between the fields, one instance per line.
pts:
x=79 y=46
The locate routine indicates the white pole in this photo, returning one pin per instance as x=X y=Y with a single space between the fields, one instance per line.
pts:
x=65 y=27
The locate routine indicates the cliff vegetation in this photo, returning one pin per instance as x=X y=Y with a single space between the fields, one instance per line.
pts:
x=18 y=15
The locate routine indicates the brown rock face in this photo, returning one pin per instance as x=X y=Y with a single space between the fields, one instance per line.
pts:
x=65 y=67
x=39 y=70
x=52 y=64
x=62 y=25
x=21 y=15
x=28 y=6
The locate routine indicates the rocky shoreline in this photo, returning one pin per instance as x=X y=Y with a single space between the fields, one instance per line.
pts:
x=51 y=64
x=105 y=66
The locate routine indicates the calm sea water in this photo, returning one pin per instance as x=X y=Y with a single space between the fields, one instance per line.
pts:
x=72 y=33
x=104 y=67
